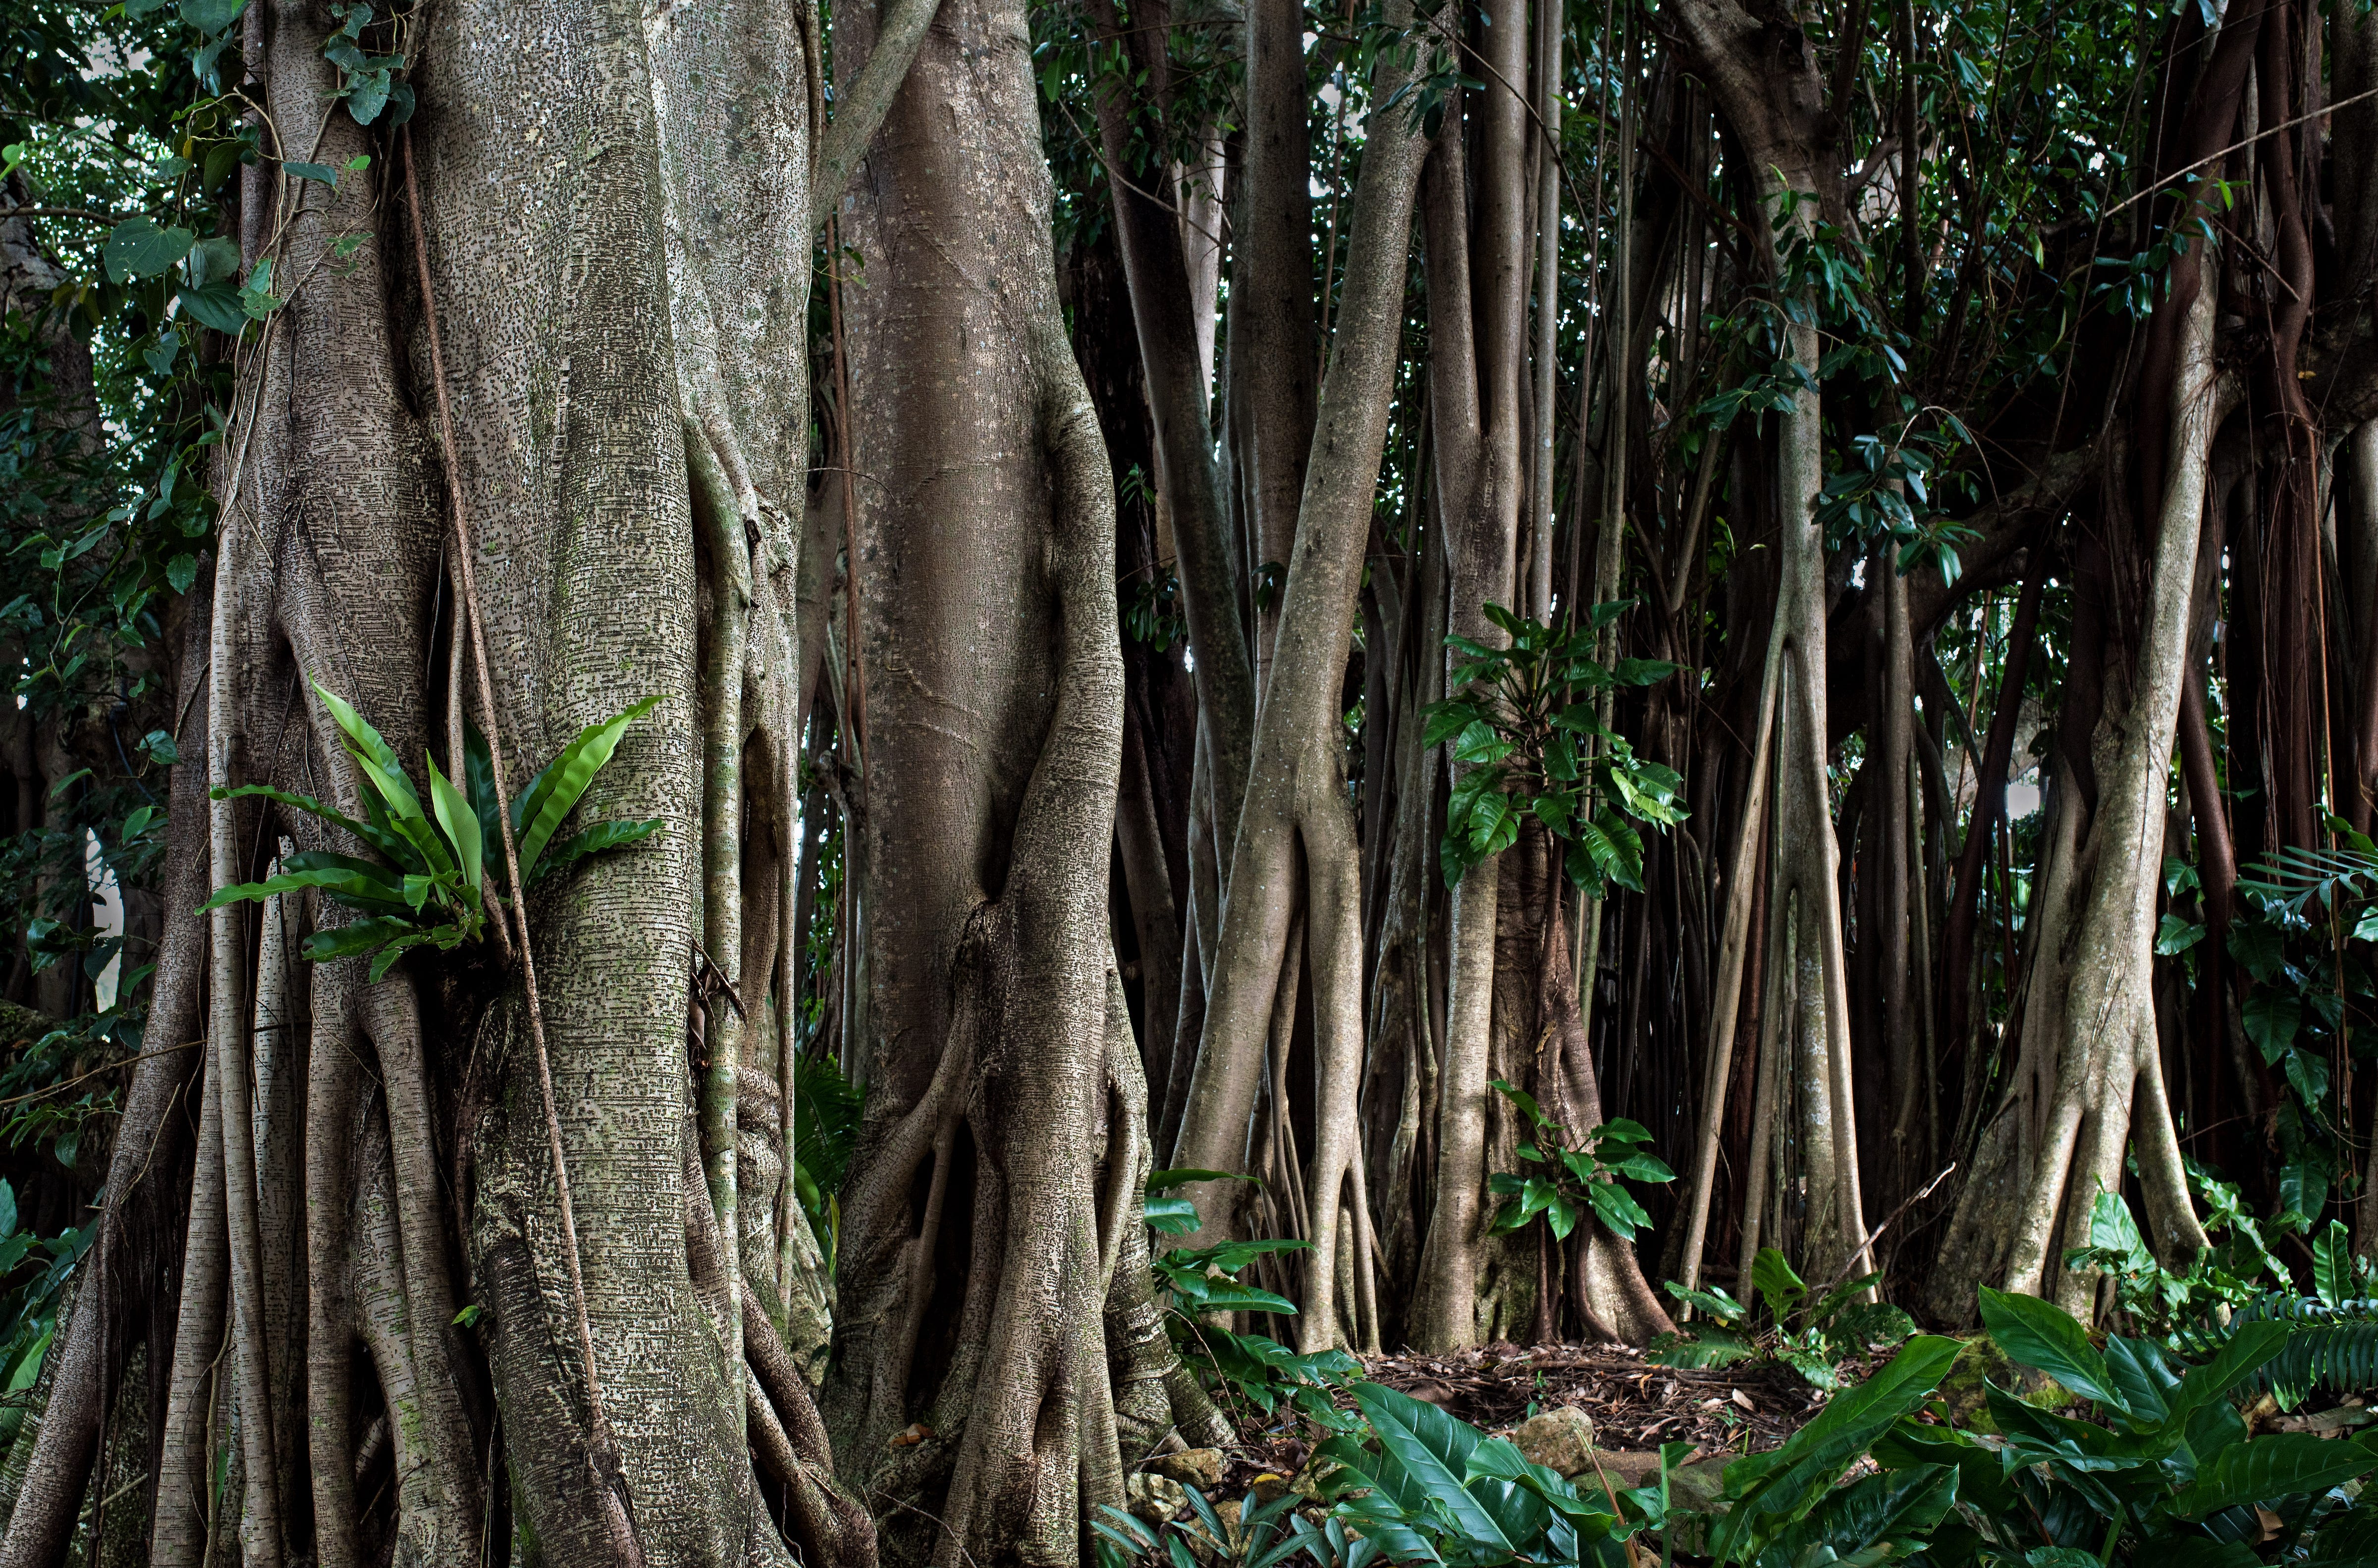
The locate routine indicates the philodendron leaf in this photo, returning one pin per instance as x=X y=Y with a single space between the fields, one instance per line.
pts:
x=2042 y=1335
x=549 y=797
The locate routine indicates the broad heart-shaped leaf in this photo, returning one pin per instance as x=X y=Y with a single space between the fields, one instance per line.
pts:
x=2272 y=1018
x=2043 y=1336
x=559 y=858
x=139 y=248
x=210 y=17
x=1433 y=1450
x=393 y=845
x=461 y=826
x=550 y=796
x=2266 y=1468
x=216 y=305
x=1774 y=1489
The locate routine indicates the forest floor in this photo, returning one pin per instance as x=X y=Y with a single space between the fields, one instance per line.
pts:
x=1636 y=1407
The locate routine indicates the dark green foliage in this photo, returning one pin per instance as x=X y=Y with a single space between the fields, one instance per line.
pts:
x=429 y=886
x=1203 y=1286
x=1577 y=1178
x=1524 y=721
x=1812 y=1337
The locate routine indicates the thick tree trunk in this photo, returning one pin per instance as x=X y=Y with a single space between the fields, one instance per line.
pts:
x=997 y=1185
x=2107 y=1041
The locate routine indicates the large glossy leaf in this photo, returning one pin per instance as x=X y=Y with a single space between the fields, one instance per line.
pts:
x=561 y=857
x=2266 y=1468
x=386 y=777
x=1896 y=1507
x=1433 y=1449
x=1774 y=1489
x=360 y=883
x=2042 y=1335
x=461 y=826
x=395 y=846
x=2139 y=1370
x=550 y=796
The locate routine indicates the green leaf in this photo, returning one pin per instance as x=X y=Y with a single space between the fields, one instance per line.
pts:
x=321 y=172
x=1771 y=1276
x=387 y=778
x=1712 y=1346
x=394 y=845
x=1434 y=1450
x=2266 y=1468
x=1170 y=1214
x=1521 y=1099
x=2272 y=1018
x=461 y=826
x=2331 y=1264
x=373 y=891
x=2175 y=935
x=2043 y=1336
x=216 y=305
x=346 y=941
x=1774 y=1489
x=559 y=858
x=558 y=786
x=479 y=784
x=211 y=17
x=139 y=248
x=7 y=1209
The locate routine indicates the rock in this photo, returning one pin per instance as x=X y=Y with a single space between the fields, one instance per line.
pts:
x=1696 y=1494
x=1561 y=1440
x=1982 y=1362
x=1152 y=1497
x=1199 y=1467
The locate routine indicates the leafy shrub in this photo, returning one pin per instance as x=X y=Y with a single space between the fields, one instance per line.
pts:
x=1813 y=1340
x=1430 y=1488
x=1577 y=1178
x=1524 y=717
x=429 y=887
x=1202 y=1282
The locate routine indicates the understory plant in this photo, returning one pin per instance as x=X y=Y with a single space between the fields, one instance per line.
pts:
x=1203 y=1289
x=429 y=886
x=1812 y=1337
x=1528 y=720
x=1572 y=1179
